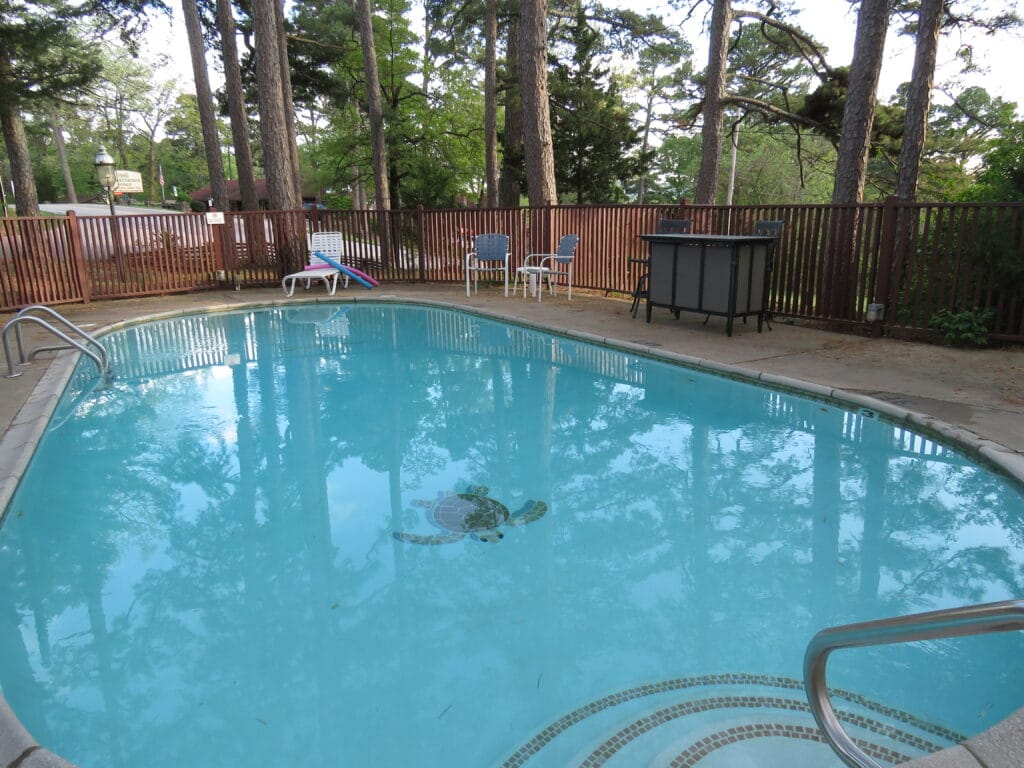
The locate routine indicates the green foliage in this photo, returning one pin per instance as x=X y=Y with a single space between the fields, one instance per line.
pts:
x=674 y=170
x=46 y=55
x=181 y=151
x=766 y=172
x=964 y=328
x=825 y=103
x=434 y=139
x=433 y=102
x=958 y=133
x=1002 y=176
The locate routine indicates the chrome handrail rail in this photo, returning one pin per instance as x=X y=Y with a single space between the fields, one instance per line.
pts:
x=1004 y=616
x=99 y=358
x=65 y=322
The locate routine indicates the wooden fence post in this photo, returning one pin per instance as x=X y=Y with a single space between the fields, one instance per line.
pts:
x=886 y=251
x=78 y=256
x=215 y=220
x=420 y=244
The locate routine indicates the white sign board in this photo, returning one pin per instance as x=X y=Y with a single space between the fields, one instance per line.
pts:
x=129 y=181
x=215 y=217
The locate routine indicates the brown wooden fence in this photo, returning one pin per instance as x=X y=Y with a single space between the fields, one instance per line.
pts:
x=830 y=263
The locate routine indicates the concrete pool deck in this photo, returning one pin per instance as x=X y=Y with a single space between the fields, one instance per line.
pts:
x=973 y=397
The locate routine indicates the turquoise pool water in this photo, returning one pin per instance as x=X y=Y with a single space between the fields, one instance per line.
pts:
x=200 y=567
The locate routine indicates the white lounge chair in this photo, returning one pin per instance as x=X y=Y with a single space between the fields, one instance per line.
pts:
x=330 y=244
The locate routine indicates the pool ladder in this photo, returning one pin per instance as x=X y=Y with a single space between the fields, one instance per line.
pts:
x=1004 y=616
x=88 y=346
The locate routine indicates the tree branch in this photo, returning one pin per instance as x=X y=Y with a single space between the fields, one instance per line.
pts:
x=773 y=112
x=809 y=48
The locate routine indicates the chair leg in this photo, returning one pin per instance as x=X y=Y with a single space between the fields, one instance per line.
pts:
x=639 y=293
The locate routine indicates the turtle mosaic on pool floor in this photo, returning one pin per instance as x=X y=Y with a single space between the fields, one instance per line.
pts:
x=472 y=514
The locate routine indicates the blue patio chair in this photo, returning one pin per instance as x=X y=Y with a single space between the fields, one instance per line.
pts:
x=550 y=266
x=680 y=226
x=490 y=254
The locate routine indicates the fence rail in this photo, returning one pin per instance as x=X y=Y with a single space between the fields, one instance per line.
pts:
x=830 y=263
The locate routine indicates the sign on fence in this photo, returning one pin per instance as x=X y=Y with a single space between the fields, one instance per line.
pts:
x=129 y=181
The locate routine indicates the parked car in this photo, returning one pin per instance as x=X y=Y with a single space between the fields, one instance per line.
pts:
x=309 y=206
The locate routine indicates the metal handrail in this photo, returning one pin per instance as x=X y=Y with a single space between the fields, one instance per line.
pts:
x=100 y=358
x=61 y=319
x=952 y=622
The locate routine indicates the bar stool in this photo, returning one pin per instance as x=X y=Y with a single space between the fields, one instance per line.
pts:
x=682 y=226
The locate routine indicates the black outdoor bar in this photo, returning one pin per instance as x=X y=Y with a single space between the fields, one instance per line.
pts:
x=723 y=275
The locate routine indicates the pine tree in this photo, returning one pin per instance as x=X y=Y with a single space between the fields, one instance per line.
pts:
x=40 y=55
x=594 y=139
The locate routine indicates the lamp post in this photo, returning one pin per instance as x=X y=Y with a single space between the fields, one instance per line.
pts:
x=107 y=174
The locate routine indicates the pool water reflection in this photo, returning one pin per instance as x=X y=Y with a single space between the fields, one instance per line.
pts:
x=200 y=566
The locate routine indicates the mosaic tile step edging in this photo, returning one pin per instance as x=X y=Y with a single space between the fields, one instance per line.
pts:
x=537 y=743
x=709 y=744
x=706 y=745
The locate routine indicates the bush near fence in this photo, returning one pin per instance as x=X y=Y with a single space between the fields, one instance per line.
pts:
x=916 y=259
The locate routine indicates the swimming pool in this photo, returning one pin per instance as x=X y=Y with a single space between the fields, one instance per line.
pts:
x=204 y=568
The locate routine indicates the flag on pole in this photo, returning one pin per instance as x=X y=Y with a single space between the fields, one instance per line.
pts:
x=163 y=194
x=161 y=167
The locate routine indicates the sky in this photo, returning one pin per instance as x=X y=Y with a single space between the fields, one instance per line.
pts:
x=831 y=21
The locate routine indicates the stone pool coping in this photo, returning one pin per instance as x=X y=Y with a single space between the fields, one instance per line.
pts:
x=19 y=439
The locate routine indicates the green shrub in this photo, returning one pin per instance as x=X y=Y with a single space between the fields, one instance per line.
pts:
x=964 y=328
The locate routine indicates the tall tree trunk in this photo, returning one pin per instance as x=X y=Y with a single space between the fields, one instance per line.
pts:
x=375 y=109
x=207 y=118
x=509 y=184
x=919 y=97
x=288 y=102
x=427 y=62
x=859 y=114
x=358 y=191
x=375 y=114
x=236 y=107
x=62 y=156
x=277 y=163
x=491 y=105
x=734 y=145
x=713 y=111
x=26 y=200
x=645 y=144
x=153 y=183
x=538 y=147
